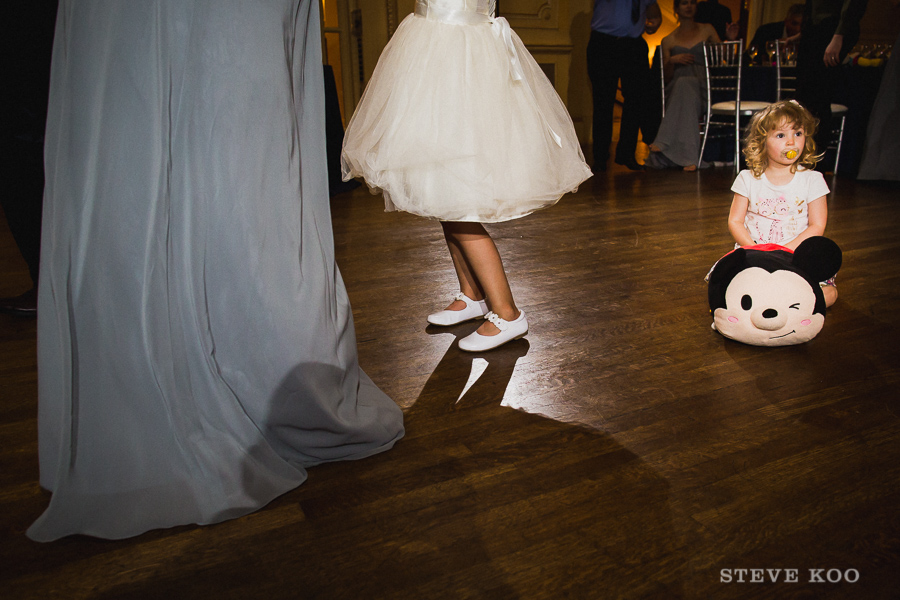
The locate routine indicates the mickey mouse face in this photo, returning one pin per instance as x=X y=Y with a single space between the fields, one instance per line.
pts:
x=769 y=309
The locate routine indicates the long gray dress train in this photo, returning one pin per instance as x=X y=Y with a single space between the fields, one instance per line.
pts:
x=196 y=344
x=678 y=138
x=881 y=155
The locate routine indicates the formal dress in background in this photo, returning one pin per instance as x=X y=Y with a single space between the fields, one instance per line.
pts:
x=881 y=154
x=678 y=138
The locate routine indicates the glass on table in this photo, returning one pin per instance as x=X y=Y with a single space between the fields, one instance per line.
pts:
x=753 y=52
x=770 y=50
x=790 y=55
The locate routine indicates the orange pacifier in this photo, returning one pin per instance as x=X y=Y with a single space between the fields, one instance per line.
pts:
x=790 y=153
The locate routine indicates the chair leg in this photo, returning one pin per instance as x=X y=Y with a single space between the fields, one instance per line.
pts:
x=837 y=151
x=703 y=143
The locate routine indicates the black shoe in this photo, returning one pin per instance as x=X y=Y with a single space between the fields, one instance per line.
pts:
x=21 y=306
x=631 y=164
x=599 y=167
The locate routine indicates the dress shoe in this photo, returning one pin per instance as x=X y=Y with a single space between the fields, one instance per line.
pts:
x=475 y=309
x=631 y=164
x=20 y=306
x=509 y=331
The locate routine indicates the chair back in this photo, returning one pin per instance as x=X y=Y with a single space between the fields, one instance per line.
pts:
x=785 y=65
x=723 y=62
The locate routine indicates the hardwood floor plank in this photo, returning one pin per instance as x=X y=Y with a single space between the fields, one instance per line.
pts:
x=623 y=449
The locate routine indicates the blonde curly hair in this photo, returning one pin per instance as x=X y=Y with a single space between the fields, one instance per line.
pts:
x=772 y=117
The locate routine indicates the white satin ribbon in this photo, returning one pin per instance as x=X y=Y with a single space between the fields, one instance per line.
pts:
x=500 y=28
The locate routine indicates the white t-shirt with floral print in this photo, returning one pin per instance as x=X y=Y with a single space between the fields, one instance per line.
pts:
x=778 y=213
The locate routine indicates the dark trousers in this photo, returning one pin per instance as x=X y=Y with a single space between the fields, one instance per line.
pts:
x=23 y=189
x=651 y=116
x=610 y=59
x=817 y=83
x=27 y=38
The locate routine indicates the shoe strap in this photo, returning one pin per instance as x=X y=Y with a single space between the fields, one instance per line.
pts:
x=499 y=323
x=467 y=300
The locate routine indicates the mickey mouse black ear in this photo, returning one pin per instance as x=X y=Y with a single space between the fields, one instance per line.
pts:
x=722 y=274
x=818 y=257
x=728 y=265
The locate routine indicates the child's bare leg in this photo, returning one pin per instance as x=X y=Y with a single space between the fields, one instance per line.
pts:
x=468 y=284
x=830 y=292
x=482 y=260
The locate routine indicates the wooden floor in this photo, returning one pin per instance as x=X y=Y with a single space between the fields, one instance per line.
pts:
x=622 y=450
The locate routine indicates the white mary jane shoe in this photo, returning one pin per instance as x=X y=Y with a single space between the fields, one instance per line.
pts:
x=475 y=309
x=509 y=331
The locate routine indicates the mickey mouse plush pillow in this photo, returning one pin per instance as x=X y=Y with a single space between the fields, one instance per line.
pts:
x=767 y=295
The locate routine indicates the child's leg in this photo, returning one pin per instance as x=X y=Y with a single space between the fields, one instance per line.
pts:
x=830 y=292
x=468 y=283
x=481 y=260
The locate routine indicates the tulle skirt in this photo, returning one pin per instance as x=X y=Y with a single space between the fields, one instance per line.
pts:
x=444 y=131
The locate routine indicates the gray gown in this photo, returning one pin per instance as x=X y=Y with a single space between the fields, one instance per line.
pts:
x=678 y=137
x=196 y=344
x=881 y=155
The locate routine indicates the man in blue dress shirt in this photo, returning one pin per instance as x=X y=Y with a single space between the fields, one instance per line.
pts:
x=616 y=52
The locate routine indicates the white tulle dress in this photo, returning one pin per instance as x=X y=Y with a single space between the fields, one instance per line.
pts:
x=459 y=123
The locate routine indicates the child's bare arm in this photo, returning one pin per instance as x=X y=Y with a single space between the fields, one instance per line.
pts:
x=736 y=217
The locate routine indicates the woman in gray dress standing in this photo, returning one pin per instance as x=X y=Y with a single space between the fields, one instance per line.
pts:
x=678 y=143
x=196 y=344
x=881 y=153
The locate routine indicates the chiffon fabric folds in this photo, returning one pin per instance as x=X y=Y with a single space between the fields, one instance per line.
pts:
x=459 y=123
x=196 y=344
x=881 y=154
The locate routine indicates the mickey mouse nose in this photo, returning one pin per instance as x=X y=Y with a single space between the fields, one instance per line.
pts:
x=768 y=320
